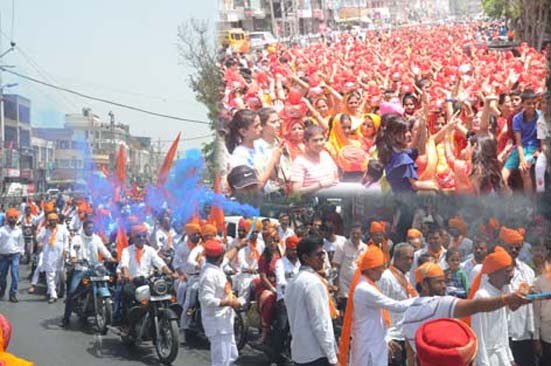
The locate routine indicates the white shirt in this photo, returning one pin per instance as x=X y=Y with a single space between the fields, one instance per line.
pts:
x=468 y=266
x=424 y=309
x=331 y=246
x=285 y=270
x=521 y=321
x=390 y=287
x=465 y=247
x=216 y=320
x=440 y=261
x=149 y=259
x=11 y=240
x=525 y=253
x=245 y=258
x=491 y=330
x=346 y=256
x=162 y=238
x=89 y=247
x=369 y=344
x=542 y=309
x=193 y=266
x=284 y=234
x=181 y=254
x=52 y=254
x=310 y=322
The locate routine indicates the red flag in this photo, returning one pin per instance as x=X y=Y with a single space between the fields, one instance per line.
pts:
x=167 y=163
x=122 y=242
x=216 y=216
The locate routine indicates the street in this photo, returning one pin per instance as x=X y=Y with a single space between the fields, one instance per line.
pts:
x=38 y=337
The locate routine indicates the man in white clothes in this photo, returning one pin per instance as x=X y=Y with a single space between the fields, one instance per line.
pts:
x=165 y=234
x=284 y=229
x=286 y=269
x=522 y=330
x=434 y=248
x=307 y=302
x=54 y=240
x=480 y=251
x=12 y=246
x=395 y=284
x=345 y=262
x=217 y=301
x=331 y=241
x=85 y=246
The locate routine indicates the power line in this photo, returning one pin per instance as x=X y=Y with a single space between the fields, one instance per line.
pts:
x=105 y=100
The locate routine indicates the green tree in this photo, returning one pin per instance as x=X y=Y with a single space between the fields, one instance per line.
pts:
x=197 y=48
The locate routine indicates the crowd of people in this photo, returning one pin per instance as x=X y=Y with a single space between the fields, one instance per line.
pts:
x=382 y=287
x=414 y=109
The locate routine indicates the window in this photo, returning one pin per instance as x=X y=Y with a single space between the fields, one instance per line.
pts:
x=10 y=109
x=24 y=114
x=24 y=137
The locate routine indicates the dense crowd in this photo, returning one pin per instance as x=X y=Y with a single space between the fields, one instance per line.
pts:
x=413 y=109
x=379 y=284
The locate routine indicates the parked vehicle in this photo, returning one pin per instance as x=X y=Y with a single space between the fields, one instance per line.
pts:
x=261 y=39
x=154 y=317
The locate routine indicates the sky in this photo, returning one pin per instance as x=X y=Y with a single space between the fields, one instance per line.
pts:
x=122 y=50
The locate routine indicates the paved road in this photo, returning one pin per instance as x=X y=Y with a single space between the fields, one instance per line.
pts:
x=38 y=337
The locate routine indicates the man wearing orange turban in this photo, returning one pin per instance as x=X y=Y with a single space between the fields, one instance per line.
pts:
x=7 y=359
x=492 y=328
x=54 y=240
x=458 y=229
x=457 y=348
x=432 y=304
x=367 y=316
x=521 y=322
x=415 y=238
x=12 y=246
x=208 y=231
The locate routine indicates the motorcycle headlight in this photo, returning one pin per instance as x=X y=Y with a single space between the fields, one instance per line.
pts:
x=100 y=270
x=160 y=287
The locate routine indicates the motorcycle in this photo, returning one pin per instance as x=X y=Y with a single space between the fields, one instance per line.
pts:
x=240 y=325
x=154 y=317
x=92 y=297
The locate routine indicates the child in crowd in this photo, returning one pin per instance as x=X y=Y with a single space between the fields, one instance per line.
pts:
x=456 y=278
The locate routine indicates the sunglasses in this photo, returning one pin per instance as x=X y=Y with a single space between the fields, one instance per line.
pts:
x=142 y=236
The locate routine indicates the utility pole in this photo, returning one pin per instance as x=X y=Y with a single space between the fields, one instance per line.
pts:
x=274 y=24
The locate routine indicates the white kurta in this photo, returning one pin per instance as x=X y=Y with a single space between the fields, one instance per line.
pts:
x=369 y=343
x=52 y=254
x=491 y=330
x=521 y=321
x=346 y=257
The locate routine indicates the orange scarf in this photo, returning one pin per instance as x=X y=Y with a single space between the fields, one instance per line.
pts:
x=228 y=290
x=333 y=312
x=344 y=344
x=139 y=252
x=404 y=283
x=253 y=250
x=53 y=238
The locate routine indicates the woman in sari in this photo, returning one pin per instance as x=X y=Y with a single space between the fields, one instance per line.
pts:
x=294 y=141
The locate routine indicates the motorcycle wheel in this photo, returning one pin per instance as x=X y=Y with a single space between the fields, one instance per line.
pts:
x=240 y=330
x=103 y=315
x=167 y=344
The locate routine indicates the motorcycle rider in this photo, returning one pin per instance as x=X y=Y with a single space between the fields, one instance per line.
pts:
x=137 y=261
x=87 y=245
x=217 y=300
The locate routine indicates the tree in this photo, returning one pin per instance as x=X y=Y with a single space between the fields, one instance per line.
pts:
x=197 y=49
x=530 y=18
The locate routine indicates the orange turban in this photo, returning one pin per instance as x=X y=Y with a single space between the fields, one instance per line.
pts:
x=511 y=236
x=213 y=248
x=138 y=229
x=458 y=223
x=49 y=207
x=457 y=348
x=52 y=216
x=12 y=213
x=5 y=333
x=493 y=223
x=428 y=270
x=414 y=234
x=372 y=258
x=208 y=229
x=292 y=242
x=377 y=227
x=243 y=224
x=493 y=262
x=192 y=228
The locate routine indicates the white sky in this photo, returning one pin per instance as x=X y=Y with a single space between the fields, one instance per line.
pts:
x=123 y=50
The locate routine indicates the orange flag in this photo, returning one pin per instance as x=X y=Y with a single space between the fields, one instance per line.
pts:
x=216 y=216
x=167 y=163
x=122 y=242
